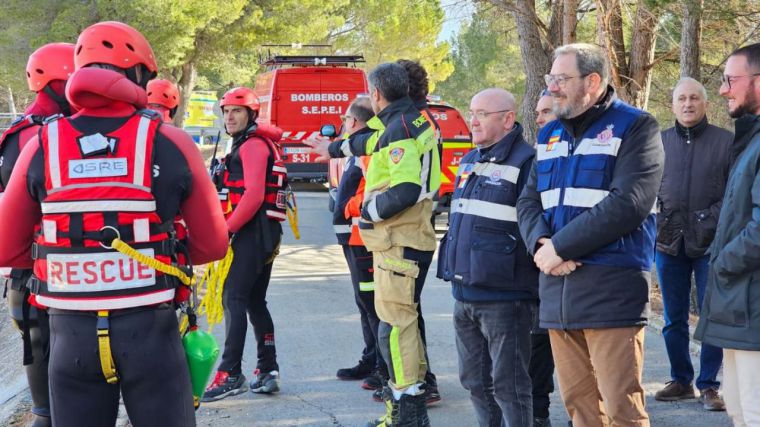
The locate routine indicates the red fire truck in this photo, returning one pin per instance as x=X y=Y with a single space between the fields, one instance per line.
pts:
x=299 y=94
x=456 y=142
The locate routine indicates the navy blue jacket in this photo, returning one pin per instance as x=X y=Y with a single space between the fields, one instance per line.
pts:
x=482 y=254
x=592 y=191
x=349 y=183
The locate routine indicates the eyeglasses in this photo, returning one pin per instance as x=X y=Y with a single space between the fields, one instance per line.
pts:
x=725 y=79
x=560 y=80
x=481 y=115
x=346 y=117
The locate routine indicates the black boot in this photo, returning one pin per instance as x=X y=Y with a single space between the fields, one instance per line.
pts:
x=362 y=370
x=408 y=411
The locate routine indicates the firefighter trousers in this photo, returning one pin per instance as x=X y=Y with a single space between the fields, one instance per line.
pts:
x=399 y=272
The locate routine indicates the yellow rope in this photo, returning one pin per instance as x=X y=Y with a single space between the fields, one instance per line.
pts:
x=213 y=278
x=292 y=213
x=153 y=263
x=216 y=274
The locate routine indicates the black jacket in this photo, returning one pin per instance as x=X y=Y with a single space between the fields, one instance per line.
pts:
x=730 y=315
x=697 y=161
x=599 y=296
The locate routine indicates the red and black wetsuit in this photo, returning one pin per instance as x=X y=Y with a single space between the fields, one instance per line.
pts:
x=257 y=234
x=32 y=322
x=148 y=354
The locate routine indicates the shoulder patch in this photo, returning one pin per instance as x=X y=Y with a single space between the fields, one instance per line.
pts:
x=419 y=121
x=397 y=154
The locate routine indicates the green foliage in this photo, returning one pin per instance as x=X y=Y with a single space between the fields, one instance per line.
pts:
x=387 y=30
x=486 y=54
x=220 y=40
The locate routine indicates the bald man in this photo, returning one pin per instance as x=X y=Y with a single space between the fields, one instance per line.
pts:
x=493 y=280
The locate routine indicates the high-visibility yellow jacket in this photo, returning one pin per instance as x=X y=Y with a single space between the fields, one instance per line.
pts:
x=403 y=175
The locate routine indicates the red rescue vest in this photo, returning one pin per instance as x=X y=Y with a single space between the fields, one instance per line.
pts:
x=26 y=127
x=275 y=193
x=98 y=186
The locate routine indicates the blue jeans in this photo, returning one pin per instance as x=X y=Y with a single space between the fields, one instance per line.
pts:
x=674 y=273
x=494 y=346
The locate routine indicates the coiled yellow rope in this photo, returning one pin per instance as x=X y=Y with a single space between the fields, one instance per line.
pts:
x=292 y=213
x=213 y=279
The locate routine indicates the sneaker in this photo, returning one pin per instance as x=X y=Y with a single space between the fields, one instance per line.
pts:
x=711 y=400
x=375 y=381
x=431 y=394
x=674 y=391
x=542 y=422
x=224 y=385
x=266 y=382
x=362 y=370
x=377 y=395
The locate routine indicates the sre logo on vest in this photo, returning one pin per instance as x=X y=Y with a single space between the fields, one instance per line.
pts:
x=97 y=168
x=97 y=272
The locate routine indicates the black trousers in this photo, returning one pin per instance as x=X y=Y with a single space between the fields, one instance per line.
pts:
x=541 y=372
x=245 y=291
x=359 y=262
x=39 y=338
x=154 y=379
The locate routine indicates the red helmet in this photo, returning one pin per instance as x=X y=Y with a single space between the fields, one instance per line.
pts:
x=53 y=61
x=114 y=43
x=242 y=96
x=163 y=92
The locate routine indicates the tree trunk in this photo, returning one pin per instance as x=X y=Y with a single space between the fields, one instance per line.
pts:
x=556 y=25
x=569 y=20
x=642 y=56
x=186 y=85
x=691 y=34
x=536 y=62
x=610 y=36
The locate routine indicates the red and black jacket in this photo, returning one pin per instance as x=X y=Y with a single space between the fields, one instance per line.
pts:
x=12 y=142
x=99 y=187
x=233 y=183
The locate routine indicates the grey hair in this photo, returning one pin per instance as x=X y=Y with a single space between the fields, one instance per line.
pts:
x=589 y=58
x=391 y=80
x=683 y=80
x=361 y=109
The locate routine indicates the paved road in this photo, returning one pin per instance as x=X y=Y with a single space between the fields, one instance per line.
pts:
x=317 y=330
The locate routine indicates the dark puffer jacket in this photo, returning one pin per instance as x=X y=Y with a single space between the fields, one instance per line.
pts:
x=697 y=161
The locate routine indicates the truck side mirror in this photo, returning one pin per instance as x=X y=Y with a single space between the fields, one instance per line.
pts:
x=328 y=131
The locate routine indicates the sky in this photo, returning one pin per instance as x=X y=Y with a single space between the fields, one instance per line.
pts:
x=457 y=12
